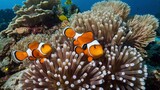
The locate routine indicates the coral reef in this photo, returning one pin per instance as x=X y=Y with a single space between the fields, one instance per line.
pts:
x=5 y=44
x=123 y=40
x=35 y=13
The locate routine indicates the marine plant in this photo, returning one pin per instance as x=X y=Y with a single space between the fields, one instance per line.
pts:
x=121 y=67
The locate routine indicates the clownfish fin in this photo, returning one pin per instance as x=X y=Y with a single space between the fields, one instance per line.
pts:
x=69 y=32
x=33 y=45
x=76 y=42
x=42 y=60
x=35 y=53
x=86 y=37
x=90 y=59
x=46 y=49
x=31 y=58
x=78 y=50
x=19 y=56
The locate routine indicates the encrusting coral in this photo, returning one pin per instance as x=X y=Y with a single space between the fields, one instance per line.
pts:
x=121 y=67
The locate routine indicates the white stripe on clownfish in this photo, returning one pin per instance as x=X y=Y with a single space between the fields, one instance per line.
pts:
x=94 y=42
x=76 y=36
x=39 y=48
x=29 y=52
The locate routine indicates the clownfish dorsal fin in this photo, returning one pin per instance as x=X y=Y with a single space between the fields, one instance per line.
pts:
x=69 y=32
x=78 y=50
x=87 y=37
x=33 y=45
x=88 y=34
x=19 y=56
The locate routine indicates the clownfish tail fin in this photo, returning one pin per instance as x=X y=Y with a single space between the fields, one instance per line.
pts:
x=69 y=32
x=19 y=56
x=78 y=50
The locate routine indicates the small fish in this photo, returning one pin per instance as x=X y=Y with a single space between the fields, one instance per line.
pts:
x=85 y=43
x=68 y=2
x=35 y=51
x=62 y=17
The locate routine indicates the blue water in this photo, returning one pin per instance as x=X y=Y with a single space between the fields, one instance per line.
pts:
x=137 y=6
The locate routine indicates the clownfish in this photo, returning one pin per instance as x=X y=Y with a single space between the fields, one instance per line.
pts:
x=35 y=51
x=85 y=43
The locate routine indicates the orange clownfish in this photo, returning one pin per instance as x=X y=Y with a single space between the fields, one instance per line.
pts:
x=35 y=51
x=85 y=43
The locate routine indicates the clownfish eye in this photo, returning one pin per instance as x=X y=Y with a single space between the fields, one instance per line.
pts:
x=84 y=46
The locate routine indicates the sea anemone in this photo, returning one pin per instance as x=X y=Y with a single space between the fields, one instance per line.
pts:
x=117 y=7
x=64 y=70
x=142 y=33
x=124 y=68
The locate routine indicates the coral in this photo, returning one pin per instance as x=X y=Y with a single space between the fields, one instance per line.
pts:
x=12 y=82
x=21 y=30
x=157 y=74
x=64 y=70
x=5 y=44
x=34 y=13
